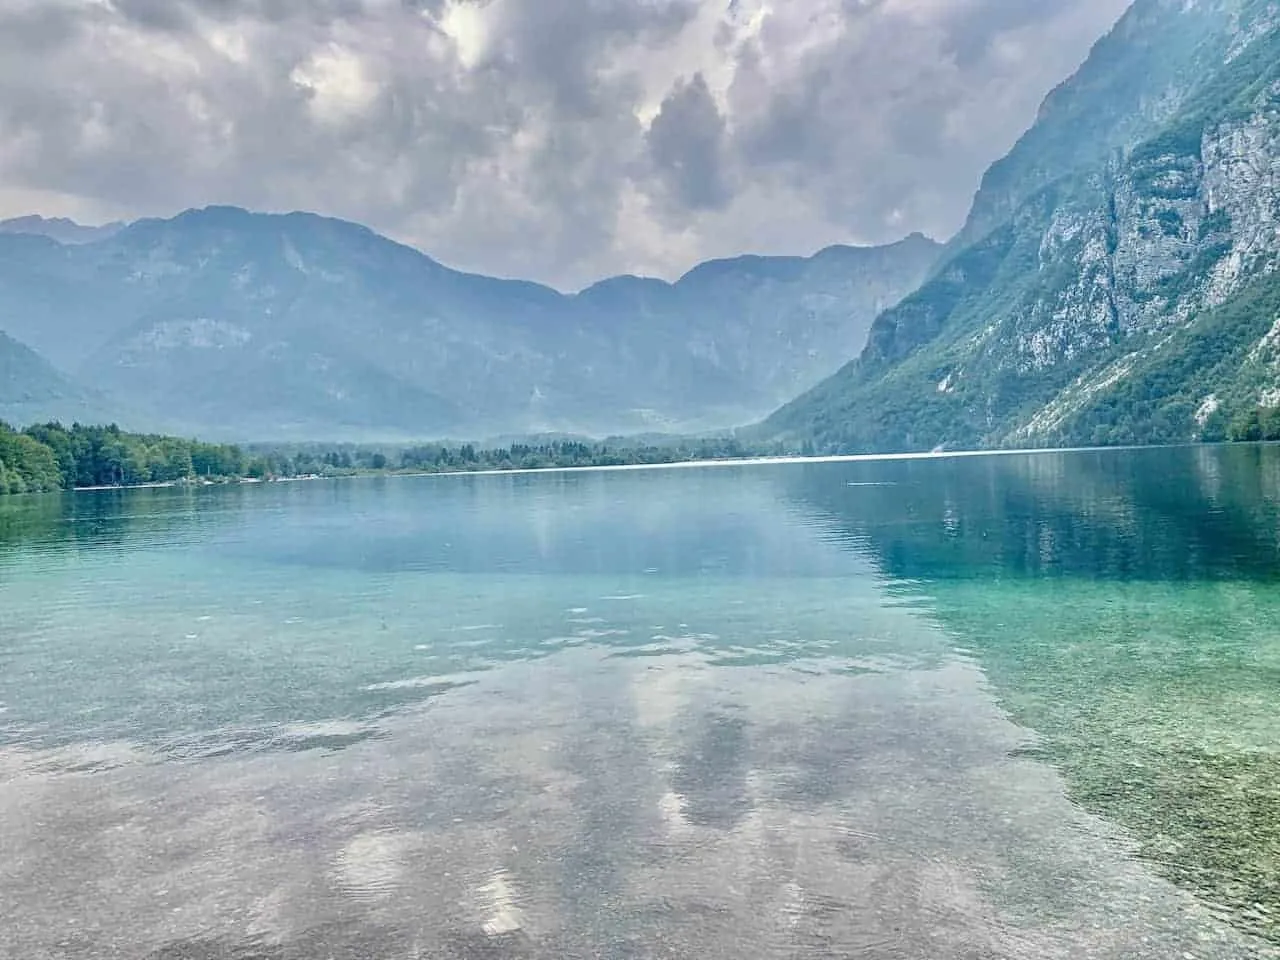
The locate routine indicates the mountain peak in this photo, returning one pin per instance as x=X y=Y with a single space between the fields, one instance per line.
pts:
x=623 y=284
x=915 y=241
x=216 y=211
x=1134 y=80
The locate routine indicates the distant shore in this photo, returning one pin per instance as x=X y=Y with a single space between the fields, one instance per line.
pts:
x=615 y=468
x=166 y=484
x=49 y=457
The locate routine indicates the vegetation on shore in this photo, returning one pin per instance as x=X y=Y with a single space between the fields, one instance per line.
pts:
x=49 y=457
x=1258 y=424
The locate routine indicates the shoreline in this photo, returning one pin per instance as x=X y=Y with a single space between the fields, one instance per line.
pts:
x=774 y=461
x=622 y=467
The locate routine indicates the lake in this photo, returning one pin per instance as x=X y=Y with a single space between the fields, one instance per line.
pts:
x=1015 y=706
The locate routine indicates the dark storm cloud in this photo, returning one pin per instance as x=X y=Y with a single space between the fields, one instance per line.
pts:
x=559 y=139
x=686 y=141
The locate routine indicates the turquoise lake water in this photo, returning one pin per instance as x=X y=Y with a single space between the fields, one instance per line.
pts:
x=996 y=707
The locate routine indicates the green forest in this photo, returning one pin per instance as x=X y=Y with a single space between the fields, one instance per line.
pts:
x=53 y=457
x=1260 y=423
x=50 y=457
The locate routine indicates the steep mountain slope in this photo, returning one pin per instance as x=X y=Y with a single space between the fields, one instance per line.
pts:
x=1114 y=281
x=32 y=390
x=240 y=324
x=780 y=324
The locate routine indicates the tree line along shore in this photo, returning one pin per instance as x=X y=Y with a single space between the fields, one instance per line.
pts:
x=49 y=457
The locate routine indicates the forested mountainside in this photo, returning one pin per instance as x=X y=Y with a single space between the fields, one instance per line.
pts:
x=238 y=325
x=1116 y=280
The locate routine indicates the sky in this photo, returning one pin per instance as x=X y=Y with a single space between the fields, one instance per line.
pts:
x=556 y=140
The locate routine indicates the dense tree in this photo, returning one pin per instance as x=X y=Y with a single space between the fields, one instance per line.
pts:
x=1258 y=423
x=50 y=456
x=26 y=465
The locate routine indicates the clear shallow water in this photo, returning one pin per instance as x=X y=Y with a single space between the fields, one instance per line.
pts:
x=867 y=710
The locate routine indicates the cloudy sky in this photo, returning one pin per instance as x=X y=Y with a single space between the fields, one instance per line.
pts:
x=559 y=140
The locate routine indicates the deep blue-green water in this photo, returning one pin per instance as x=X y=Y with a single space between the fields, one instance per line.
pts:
x=1009 y=707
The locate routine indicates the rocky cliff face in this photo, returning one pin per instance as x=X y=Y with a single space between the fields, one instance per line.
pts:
x=240 y=325
x=1119 y=292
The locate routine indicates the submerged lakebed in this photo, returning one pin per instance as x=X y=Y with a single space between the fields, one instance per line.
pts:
x=1013 y=706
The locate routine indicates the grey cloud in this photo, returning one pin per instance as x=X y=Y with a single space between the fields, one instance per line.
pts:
x=37 y=29
x=791 y=128
x=155 y=14
x=271 y=11
x=970 y=27
x=686 y=142
x=893 y=122
x=559 y=46
x=556 y=139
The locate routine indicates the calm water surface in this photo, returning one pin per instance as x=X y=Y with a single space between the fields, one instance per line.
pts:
x=1006 y=707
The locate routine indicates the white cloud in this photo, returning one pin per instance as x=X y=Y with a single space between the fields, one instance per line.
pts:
x=337 y=84
x=467 y=25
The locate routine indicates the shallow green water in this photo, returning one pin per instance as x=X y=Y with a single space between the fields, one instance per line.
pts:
x=1011 y=707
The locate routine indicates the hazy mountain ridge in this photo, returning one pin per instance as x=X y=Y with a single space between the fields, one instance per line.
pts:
x=1117 y=292
x=60 y=228
x=238 y=324
x=31 y=389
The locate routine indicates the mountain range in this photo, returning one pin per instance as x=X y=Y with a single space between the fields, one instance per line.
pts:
x=236 y=325
x=1116 y=282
